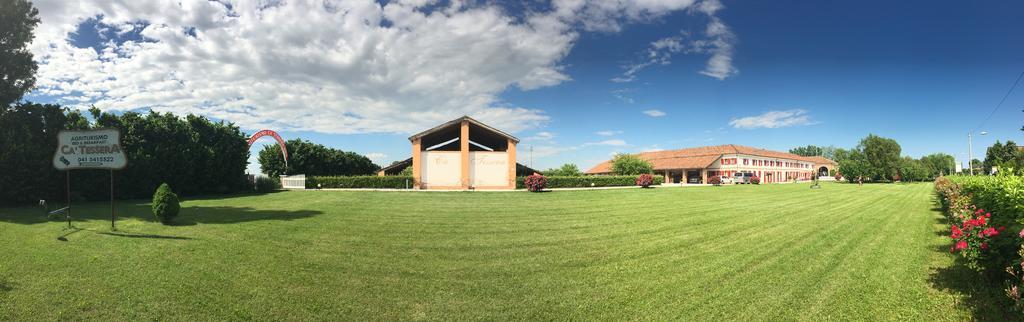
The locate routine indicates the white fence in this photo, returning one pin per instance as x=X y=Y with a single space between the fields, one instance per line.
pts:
x=297 y=181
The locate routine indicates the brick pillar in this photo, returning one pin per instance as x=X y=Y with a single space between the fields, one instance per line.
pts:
x=464 y=148
x=511 y=164
x=416 y=163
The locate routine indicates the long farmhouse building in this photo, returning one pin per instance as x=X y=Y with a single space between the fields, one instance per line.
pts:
x=696 y=165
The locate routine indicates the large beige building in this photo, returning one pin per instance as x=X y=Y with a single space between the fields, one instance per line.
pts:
x=696 y=165
x=462 y=154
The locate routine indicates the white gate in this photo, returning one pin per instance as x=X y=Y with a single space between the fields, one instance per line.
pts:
x=297 y=181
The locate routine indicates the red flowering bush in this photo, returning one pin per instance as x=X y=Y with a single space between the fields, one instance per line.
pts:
x=715 y=181
x=535 y=182
x=755 y=180
x=645 y=180
x=839 y=176
x=972 y=238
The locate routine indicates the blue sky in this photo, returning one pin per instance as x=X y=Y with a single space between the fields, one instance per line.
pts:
x=922 y=72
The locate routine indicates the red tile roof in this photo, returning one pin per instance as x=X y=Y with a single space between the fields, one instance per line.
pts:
x=702 y=157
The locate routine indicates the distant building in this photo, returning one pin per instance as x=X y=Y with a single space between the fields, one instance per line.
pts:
x=695 y=165
x=462 y=154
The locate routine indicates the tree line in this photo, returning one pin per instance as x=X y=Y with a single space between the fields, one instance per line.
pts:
x=877 y=158
x=309 y=158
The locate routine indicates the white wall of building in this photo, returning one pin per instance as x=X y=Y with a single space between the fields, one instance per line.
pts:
x=488 y=169
x=441 y=168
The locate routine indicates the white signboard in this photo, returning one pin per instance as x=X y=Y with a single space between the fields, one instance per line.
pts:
x=959 y=167
x=89 y=149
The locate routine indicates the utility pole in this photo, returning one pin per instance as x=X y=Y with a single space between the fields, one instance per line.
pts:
x=970 y=151
x=531 y=157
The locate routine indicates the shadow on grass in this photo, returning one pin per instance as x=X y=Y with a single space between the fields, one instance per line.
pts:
x=5 y=286
x=983 y=297
x=130 y=235
x=188 y=216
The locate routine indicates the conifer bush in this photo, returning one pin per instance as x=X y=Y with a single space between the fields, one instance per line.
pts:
x=165 y=204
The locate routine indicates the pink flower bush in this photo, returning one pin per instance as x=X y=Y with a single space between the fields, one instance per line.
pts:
x=535 y=182
x=973 y=236
x=645 y=180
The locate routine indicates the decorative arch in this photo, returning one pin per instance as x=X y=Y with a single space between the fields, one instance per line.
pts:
x=823 y=171
x=280 y=142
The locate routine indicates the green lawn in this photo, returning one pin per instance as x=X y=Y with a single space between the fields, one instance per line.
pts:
x=770 y=252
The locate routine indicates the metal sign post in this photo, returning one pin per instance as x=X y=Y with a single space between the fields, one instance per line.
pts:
x=89 y=149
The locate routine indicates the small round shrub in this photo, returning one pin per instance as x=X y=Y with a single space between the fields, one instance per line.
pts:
x=755 y=180
x=165 y=204
x=645 y=180
x=535 y=182
x=715 y=181
x=839 y=176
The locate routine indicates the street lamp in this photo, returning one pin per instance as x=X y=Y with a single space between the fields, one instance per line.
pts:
x=970 y=151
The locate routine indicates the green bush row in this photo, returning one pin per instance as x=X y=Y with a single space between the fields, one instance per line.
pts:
x=1003 y=197
x=589 y=181
x=376 y=182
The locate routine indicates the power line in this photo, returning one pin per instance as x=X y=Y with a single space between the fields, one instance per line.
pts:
x=1001 y=101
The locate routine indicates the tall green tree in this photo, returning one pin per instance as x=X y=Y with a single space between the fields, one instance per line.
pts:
x=17 y=69
x=1004 y=155
x=566 y=170
x=939 y=164
x=882 y=155
x=912 y=170
x=629 y=164
x=305 y=157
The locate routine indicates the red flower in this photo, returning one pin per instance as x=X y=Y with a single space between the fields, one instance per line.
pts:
x=1022 y=233
x=981 y=221
x=988 y=214
x=961 y=245
x=984 y=246
x=1001 y=228
x=957 y=233
x=989 y=232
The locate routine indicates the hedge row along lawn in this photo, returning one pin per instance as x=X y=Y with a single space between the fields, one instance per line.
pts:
x=765 y=252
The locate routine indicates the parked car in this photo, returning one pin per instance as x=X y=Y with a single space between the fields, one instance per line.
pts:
x=742 y=177
x=725 y=179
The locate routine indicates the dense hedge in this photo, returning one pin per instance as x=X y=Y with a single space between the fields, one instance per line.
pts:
x=378 y=182
x=192 y=154
x=990 y=201
x=1002 y=195
x=590 y=181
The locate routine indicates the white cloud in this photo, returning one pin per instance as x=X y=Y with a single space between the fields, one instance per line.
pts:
x=541 y=136
x=654 y=113
x=607 y=133
x=718 y=41
x=326 y=66
x=652 y=148
x=614 y=142
x=377 y=157
x=773 y=119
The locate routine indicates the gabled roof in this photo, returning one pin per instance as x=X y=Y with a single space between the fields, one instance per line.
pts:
x=459 y=121
x=702 y=157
